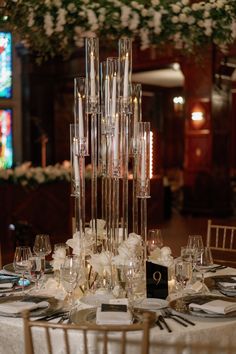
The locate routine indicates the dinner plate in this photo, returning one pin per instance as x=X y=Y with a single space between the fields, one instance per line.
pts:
x=9 y=268
x=88 y=316
x=151 y=304
x=199 y=299
x=53 y=305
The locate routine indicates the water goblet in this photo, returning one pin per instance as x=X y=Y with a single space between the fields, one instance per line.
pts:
x=195 y=243
x=204 y=261
x=154 y=240
x=21 y=262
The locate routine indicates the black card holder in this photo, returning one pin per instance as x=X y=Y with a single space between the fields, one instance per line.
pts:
x=113 y=308
x=156 y=281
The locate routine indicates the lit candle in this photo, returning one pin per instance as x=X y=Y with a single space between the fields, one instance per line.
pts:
x=143 y=162
x=81 y=120
x=75 y=163
x=116 y=141
x=92 y=76
x=135 y=120
x=113 y=109
x=126 y=76
x=106 y=95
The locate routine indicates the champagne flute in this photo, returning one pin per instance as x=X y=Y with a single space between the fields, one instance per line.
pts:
x=69 y=275
x=195 y=243
x=42 y=248
x=183 y=273
x=21 y=262
x=35 y=270
x=204 y=260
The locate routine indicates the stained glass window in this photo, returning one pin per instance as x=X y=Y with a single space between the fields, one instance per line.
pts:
x=5 y=65
x=6 y=147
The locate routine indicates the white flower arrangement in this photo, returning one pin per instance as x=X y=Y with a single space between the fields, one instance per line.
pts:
x=132 y=248
x=57 y=27
x=28 y=176
x=162 y=256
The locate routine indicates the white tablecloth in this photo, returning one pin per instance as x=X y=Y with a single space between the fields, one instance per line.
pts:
x=207 y=330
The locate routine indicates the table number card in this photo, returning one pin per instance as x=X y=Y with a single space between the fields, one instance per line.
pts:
x=157 y=280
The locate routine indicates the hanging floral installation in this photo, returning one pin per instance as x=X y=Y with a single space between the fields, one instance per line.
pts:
x=56 y=27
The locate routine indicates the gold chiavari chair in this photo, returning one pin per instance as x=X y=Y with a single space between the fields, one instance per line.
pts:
x=222 y=241
x=191 y=348
x=106 y=336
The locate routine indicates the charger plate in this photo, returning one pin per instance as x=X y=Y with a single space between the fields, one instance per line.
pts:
x=10 y=268
x=53 y=305
x=214 y=283
x=200 y=299
x=88 y=316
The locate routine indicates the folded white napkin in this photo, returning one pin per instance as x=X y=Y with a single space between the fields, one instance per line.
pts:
x=228 y=285
x=215 y=306
x=113 y=318
x=6 y=285
x=15 y=307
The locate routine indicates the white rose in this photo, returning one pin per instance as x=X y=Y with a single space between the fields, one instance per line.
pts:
x=185 y=2
x=191 y=20
x=183 y=18
x=175 y=19
x=155 y=2
x=196 y=6
x=176 y=8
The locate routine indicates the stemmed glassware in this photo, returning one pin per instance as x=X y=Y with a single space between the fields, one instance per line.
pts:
x=195 y=246
x=204 y=261
x=21 y=262
x=183 y=274
x=42 y=248
x=69 y=273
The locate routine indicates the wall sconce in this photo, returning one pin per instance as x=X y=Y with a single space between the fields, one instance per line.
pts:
x=198 y=116
x=178 y=103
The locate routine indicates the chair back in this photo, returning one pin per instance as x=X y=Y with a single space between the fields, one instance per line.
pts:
x=222 y=240
x=178 y=347
x=91 y=338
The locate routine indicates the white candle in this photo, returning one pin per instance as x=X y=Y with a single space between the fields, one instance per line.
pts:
x=92 y=76
x=143 y=162
x=126 y=76
x=81 y=120
x=135 y=120
x=116 y=141
x=106 y=96
x=113 y=109
x=75 y=163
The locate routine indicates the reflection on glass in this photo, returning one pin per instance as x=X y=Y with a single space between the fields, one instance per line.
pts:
x=5 y=65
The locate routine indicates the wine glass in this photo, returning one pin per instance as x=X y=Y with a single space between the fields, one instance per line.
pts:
x=204 y=261
x=69 y=275
x=154 y=240
x=42 y=248
x=21 y=262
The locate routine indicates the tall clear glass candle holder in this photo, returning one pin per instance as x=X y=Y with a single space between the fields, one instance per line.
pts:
x=81 y=116
x=143 y=160
x=92 y=73
x=125 y=72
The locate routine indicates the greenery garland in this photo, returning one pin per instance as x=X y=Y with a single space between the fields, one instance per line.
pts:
x=56 y=27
